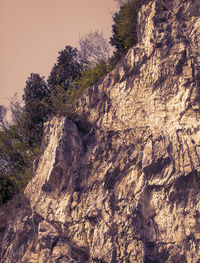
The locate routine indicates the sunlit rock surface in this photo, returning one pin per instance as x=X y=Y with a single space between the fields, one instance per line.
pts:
x=120 y=181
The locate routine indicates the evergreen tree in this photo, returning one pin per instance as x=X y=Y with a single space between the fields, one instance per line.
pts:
x=124 y=29
x=66 y=70
x=35 y=111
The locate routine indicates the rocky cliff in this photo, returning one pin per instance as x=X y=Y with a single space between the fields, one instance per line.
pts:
x=120 y=181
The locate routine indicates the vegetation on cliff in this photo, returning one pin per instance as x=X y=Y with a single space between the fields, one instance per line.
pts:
x=74 y=71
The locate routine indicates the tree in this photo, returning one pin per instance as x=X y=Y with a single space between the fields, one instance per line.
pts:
x=15 y=164
x=20 y=141
x=66 y=70
x=16 y=108
x=93 y=49
x=35 y=111
x=124 y=29
x=35 y=89
x=122 y=2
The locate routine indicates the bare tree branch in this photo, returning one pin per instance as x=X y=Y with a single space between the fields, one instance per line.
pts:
x=93 y=48
x=3 y=112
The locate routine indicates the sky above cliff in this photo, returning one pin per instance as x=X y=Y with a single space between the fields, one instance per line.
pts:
x=33 y=31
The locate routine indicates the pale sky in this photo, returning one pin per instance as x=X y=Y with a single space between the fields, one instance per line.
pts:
x=33 y=31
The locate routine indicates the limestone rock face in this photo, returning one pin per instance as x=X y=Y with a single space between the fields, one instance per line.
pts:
x=120 y=182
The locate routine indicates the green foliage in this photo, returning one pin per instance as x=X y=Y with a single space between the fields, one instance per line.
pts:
x=124 y=29
x=34 y=112
x=19 y=143
x=7 y=189
x=93 y=74
x=66 y=70
x=36 y=88
x=15 y=164
x=16 y=151
x=62 y=101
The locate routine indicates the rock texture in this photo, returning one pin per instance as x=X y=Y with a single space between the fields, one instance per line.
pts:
x=120 y=181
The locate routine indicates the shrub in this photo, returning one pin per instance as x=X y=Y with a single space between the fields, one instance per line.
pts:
x=93 y=74
x=62 y=101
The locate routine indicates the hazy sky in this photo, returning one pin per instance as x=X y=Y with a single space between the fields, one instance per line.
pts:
x=33 y=31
